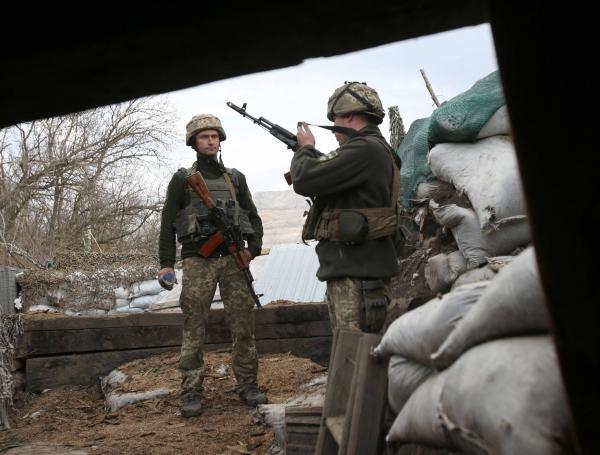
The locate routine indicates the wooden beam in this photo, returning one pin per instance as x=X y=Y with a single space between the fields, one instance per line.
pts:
x=67 y=335
x=54 y=342
x=85 y=369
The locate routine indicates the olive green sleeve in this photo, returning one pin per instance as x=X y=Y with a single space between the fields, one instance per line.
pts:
x=317 y=174
x=246 y=202
x=174 y=201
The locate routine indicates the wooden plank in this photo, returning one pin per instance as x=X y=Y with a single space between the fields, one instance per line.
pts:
x=335 y=425
x=341 y=372
x=54 y=342
x=53 y=371
x=268 y=314
x=83 y=369
x=370 y=400
x=315 y=348
x=339 y=383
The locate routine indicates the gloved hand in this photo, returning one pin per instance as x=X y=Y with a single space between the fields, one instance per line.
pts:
x=167 y=278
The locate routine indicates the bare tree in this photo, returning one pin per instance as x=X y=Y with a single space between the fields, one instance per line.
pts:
x=60 y=175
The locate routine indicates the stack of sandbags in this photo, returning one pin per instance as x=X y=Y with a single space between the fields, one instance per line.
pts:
x=89 y=283
x=412 y=338
x=492 y=385
x=472 y=154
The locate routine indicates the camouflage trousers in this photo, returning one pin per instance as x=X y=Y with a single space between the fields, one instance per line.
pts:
x=200 y=278
x=344 y=297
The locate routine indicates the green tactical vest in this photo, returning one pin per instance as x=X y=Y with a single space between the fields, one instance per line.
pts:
x=193 y=222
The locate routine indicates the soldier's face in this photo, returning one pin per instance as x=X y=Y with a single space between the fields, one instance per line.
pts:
x=207 y=142
x=341 y=121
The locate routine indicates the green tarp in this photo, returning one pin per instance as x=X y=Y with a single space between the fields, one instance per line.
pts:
x=461 y=118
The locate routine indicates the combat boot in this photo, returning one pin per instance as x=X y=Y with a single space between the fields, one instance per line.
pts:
x=253 y=396
x=191 y=404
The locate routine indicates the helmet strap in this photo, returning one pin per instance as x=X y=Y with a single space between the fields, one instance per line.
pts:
x=348 y=89
x=221 y=165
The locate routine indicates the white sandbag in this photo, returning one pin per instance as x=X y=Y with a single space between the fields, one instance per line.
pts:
x=487 y=172
x=143 y=301
x=121 y=293
x=513 y=304
x=148 y=287
x=404 y=377
x=427 y=189
x=442 y=270
x=474 y=244
x=498 y=262
x=126 y=309
x=418 y=421
x=120 y=303
x=507 y=397
x=42 y=308
x=482 y=273
x=498 y=124
x=420 y=332
x=115 y=400
x=92 y=312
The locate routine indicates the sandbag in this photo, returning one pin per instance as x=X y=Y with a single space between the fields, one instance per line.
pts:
x=512 y=304
x=404 y=376
x=506 y=397
x=462 y=118
x=483 y=273
x=419 y=332
x=498 y=124
x=475 y=245
x=442 y=270
x=418 y=420
x=144 y=301
x=148 y=287
x=121 y=293
x=487 y=172
x=413 y=153
x=426 y=190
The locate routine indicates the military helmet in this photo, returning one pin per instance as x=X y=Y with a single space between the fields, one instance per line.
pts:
x=355 y=97
x=200 y=123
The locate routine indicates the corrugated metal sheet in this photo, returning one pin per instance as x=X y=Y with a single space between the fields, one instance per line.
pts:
x=290 y=274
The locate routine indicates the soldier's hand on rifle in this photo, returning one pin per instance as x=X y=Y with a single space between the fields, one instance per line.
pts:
x=304 y=135
x=246 y=252
x=167 y=278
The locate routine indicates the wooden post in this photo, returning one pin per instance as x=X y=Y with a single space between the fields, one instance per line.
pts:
x=430 y=88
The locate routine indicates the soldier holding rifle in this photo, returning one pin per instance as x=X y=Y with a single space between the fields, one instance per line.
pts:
x=209 y=209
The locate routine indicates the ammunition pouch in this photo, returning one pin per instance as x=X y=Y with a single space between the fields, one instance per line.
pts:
x=353 y=227
x=373 y=306
x=312 y=218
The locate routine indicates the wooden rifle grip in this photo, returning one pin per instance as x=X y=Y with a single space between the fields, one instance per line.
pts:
x=211 y=244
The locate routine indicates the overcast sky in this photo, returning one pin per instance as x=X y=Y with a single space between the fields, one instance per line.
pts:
x=453 y=61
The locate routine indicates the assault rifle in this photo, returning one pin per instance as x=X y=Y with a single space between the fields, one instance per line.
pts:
x=285 y=136
x=226 y=232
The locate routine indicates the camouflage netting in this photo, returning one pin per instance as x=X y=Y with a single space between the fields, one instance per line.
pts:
x=84 y=281
x=10 y=329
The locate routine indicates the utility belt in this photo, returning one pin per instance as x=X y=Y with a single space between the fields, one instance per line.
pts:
x=351 y=226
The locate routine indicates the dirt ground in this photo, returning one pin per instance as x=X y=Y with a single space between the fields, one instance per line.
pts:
x=73 y=420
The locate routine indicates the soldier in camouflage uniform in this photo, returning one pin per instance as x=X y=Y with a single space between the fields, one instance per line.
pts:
x=354 y=214
x=185 y=216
